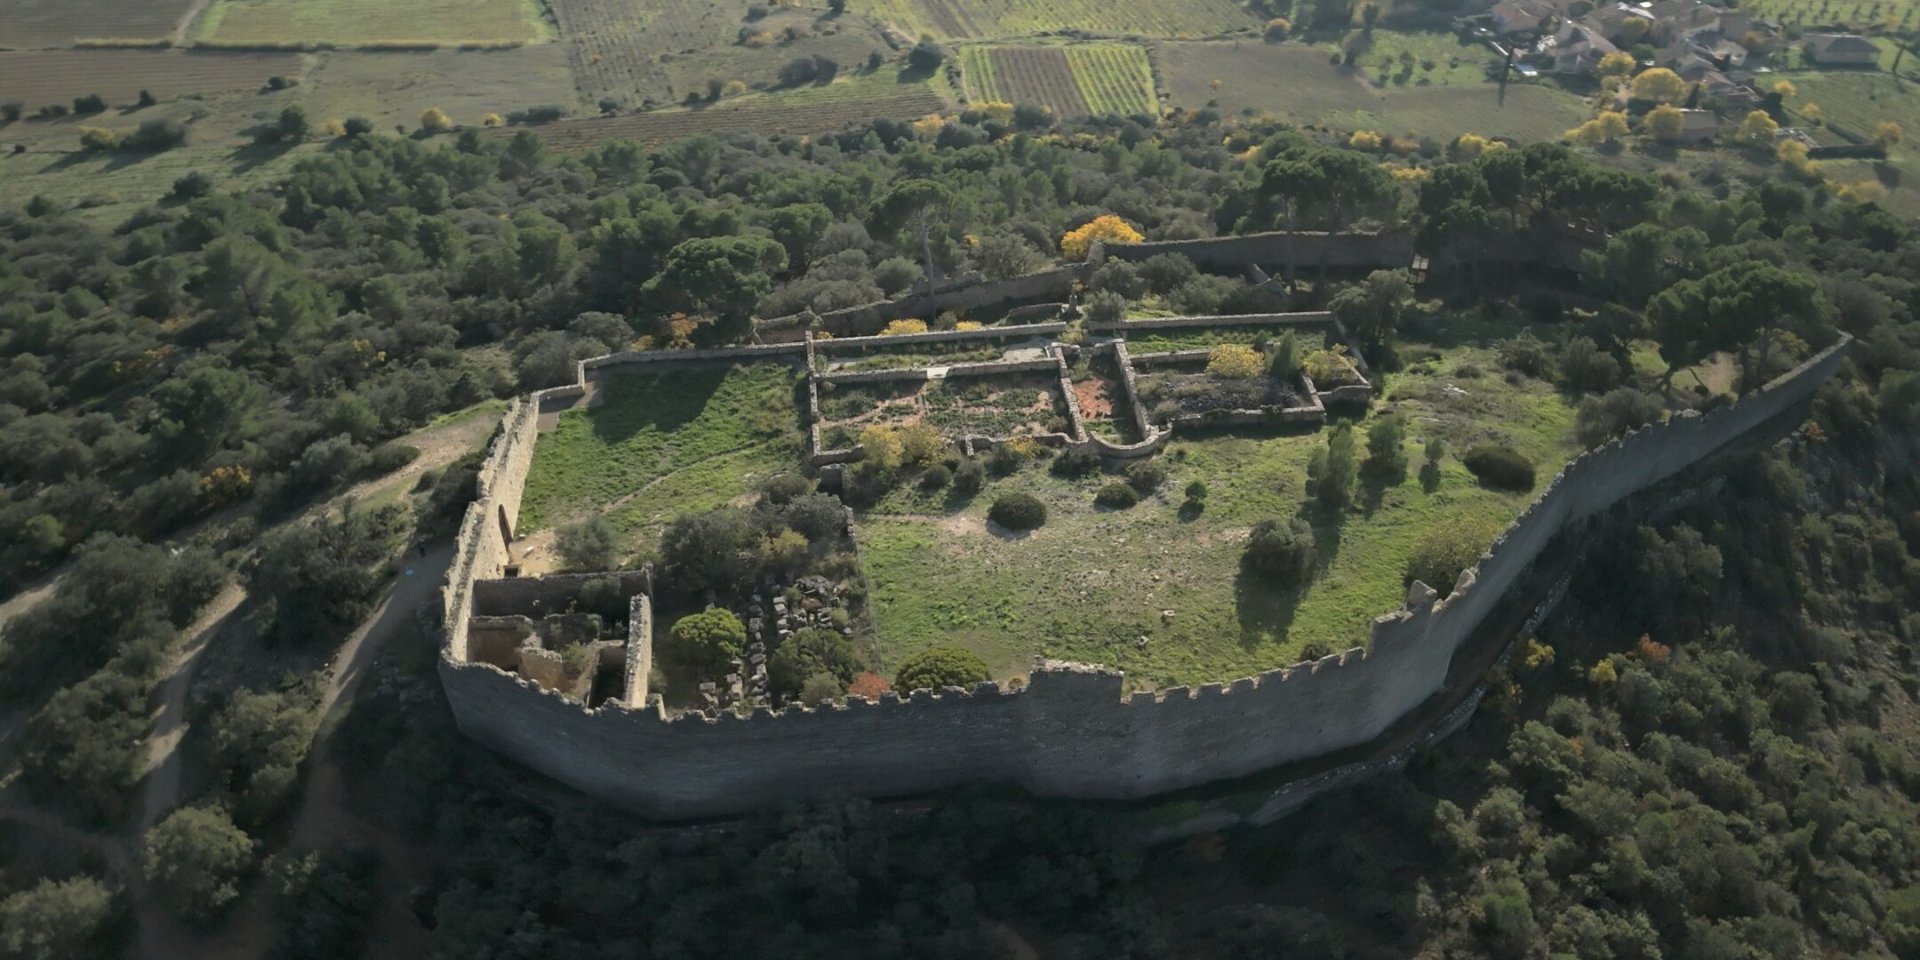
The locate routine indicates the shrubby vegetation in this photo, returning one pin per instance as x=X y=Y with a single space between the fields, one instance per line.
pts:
x=1020 y=511
x=941 y=667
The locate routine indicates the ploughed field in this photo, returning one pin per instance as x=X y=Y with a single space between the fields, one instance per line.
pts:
x=42 y=24
x=375 y=23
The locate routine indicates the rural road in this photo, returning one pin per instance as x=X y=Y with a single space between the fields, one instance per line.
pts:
x=161 y=791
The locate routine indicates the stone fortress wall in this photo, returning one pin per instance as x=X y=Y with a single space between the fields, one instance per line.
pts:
x=1069 y=732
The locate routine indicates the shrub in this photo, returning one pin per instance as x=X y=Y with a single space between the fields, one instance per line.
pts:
x=1386 y=457
x=1076 y=463
x=1277 y=30
x=909 y=325
x=941 y=667
x=1106 y=228
x=926 y=55
x=1614 y=414
x=435 y=120
x=358 y=126
x=1332 y=470
x=11 y=110
x=1440 y=555
x=1234 y=361
x=868 y=684
x=1280 y=552
x=921 y=444
x=1115 y=495
x=969 y=477
x=811 y=653
x=1501 y=468
x=1167 y=272
x=1018 y=511
x=1146 y=476
x=1586 y=368
x=1197 y=490
x=391 y=456
x=91 y=103
x=782 y=489
x=156 y=134
x=704 y=642
x=936 y=477
x=491 y=119
x=196 y=857
x=1105 y=308
x=821 y=688
x=587 y=545
x=1117 y=276
x=98 y=139
x=1288 y=358
x=1527 y=354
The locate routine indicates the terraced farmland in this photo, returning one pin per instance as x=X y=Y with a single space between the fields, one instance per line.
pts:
x=814 y=110
x=1071 y=81
x=1006 y=18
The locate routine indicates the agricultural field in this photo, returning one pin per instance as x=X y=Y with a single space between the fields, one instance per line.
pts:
x=1157 y=591
x=614 y=47
x=297 y=24
x=393 y=88
x=1076 y=80
x=1295 y=82
x=43 y=24
x=960 y=19
x=40 y=77
x=807 y=110
x=1423 y=59
x=652 y=446
x=1857 y=99
x=1887 y=14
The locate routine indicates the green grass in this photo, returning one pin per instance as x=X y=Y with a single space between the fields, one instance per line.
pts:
x=658 y=445
x=1195 y=338
x=1090 y=584
x=1455 y=62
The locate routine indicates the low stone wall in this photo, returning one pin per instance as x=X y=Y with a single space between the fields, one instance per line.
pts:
x=1071 y=731
x=1307 y=249
x=837 y=345
x=538 y=596
x=1319 y=318
x=871 y=318
x=639 y=666
x=753 y=351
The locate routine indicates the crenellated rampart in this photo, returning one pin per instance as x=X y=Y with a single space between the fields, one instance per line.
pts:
x=1071 y=731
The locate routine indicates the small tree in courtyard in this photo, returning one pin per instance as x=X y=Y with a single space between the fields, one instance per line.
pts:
x=704 y=642
x=1280 y=552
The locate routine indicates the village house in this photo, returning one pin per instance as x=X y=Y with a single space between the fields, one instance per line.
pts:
x=1576 y=49
x=1842 y=50
x=1519 y=16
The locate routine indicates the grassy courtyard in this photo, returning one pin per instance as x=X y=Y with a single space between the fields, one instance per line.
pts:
x=1095 y=585
x=656 y=445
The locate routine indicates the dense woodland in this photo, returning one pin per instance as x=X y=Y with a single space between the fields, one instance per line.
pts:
x=1710 y=753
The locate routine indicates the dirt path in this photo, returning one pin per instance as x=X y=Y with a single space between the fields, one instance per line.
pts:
x=185 y=24
x=161 y=791
x=439 y=447
x=323 y=820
